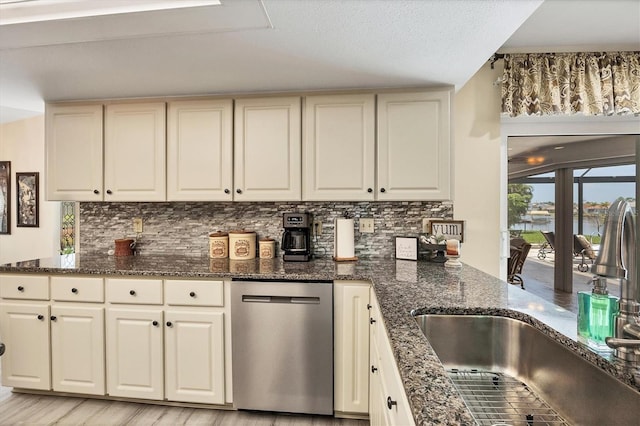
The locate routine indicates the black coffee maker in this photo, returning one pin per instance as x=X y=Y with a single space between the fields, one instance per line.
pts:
x=296 y=240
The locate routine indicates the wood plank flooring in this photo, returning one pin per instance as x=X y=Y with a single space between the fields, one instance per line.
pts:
x=25 y=409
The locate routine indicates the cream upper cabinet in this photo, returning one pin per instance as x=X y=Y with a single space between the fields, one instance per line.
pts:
x=267 y=149
x=73 y=152
x=414 y=146
x=200 y=150
x=339 y=148
x=134 y=152
x=351 y=346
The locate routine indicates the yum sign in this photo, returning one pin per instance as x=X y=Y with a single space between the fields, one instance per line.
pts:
x=449 y=229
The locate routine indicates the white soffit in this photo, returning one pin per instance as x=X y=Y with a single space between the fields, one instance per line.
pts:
x=118 y=23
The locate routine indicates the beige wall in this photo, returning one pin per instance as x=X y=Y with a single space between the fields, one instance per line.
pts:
x=22 y=143
x=477 y=162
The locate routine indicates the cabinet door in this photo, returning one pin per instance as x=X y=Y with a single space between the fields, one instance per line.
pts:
x=77 y=349
x=267 y=149
x=134 y=353
x=351 y=346
x=339 y=148
x=73 y=142
x=200 y=150
x=134 y=152
x=194 y=353
x=25 y=332
x=414 y=149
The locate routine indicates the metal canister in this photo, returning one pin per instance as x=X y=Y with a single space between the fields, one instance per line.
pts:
x=218 y=245
x=242 y=245
x=267 y=248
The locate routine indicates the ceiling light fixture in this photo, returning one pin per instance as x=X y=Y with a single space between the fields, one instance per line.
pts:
x=24 y=11
x=534 y=161
x=558 y=147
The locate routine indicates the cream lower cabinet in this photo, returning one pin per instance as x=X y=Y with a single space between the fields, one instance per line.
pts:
x=24 y=329
x=351 y=347
x=194 y=357
x=414 y=146
x=77 y=349
x=388 y=402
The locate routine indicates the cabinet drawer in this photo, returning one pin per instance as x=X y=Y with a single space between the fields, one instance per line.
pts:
x=194 y=293
x=148 y=292
x=77 y=289
x=33 y=287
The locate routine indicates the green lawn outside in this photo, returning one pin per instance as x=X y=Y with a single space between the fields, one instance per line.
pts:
x=536 y=237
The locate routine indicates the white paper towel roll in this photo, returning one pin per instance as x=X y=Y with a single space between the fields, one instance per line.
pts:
x=343 y=239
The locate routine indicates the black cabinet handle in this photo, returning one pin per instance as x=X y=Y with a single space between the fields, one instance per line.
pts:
x=74 y=290
x=53 y=318
x=40 y=317
x=95 y=191
x=109 y=192
x=369 y=306
x=391 y=403
x=226 y=191
x=371 y=320
x=20 y=288
x=155 y=323
x=132 y=292
x=192 y=294
x=369 y=190
x=373 y=369
x=383 y=190
x=169 y=324
x=239 y=191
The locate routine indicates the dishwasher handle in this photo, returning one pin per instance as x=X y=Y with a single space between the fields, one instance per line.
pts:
x=281 y=299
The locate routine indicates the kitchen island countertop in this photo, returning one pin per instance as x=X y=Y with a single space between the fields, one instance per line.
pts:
x=400 y=286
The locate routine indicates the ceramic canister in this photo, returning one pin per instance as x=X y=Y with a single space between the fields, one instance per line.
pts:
x=267 y=248
x=218 y=245
x=242 y=245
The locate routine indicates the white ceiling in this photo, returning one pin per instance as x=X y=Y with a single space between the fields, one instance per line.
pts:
x=292 y=45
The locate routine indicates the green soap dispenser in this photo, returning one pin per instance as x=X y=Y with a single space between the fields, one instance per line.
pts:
x=597 y=311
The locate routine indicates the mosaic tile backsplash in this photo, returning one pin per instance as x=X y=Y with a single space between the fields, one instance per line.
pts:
x=183 y=228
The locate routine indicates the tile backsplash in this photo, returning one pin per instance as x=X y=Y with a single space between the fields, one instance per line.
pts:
x=183 y=228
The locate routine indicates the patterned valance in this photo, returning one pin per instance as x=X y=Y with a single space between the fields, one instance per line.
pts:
x=569 y=83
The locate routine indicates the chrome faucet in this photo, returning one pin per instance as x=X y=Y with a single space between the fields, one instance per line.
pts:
x=617 y=259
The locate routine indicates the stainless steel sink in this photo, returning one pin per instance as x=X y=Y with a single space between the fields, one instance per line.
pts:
x=504 y=365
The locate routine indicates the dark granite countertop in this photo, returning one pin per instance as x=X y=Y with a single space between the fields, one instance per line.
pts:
x=400 y=286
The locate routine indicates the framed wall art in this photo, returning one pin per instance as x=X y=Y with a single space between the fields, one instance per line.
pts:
x=27 y=199
x=5 y=197
x=407 y=248
x=449 y=229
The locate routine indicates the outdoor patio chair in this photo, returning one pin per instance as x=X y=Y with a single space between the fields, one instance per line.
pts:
x=548 y=246
x=582 y=247
x=518 y=254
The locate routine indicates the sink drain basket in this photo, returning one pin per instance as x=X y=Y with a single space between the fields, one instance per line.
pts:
x=499 y=399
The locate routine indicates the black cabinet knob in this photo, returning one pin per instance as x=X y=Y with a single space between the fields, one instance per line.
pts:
x=109 y=192
x=169 y=324
x=239 y=191
x=192 y=294
x=226 y=191
x=383 y=190
x=74 y=290
x=95 y=191
x=132 y=292
x=371 y=320
x=155 y=323
x=369 y=306
x=391 y=403
x=373 y=369
x=53 y=318
x=40 y=317
x=20 y=288
x=369 y=190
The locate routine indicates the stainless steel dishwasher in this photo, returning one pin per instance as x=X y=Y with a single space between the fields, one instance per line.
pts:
x=282 y=346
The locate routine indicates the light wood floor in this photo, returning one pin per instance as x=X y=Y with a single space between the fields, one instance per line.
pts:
x=23 y=409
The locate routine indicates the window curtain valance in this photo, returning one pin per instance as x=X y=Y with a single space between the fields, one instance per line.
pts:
x=569 y=83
